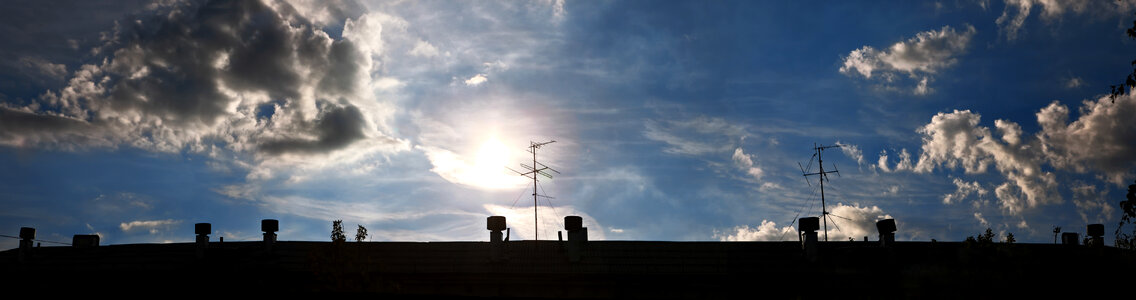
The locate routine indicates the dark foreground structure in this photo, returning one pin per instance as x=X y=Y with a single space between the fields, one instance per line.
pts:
x=575 y=268
x=598 y=269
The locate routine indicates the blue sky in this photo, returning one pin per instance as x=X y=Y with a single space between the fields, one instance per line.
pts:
x=673 y=120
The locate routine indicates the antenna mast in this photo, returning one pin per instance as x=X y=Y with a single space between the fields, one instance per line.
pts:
x=823 y=177
x=533 y=170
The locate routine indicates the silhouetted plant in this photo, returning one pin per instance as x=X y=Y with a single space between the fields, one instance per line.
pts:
x=361 y=233
x=1128 y=216
x=985 y=238
x=1009 y=238
x=337 y=231
x=1056 y=230
x=1130 y=81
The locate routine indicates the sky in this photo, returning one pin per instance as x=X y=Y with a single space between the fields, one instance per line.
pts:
x=673 y=120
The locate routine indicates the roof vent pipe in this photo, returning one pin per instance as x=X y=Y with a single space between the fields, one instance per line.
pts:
x=495 y=224
x=1070 y=238
x=1096 y=235
x=202 y=230
x=807 y=235
x=886 y=227
x=269 y=227
x=577 y=237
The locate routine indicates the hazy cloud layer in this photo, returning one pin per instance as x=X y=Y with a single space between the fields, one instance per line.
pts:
x=152 y=226
x=1016 y=12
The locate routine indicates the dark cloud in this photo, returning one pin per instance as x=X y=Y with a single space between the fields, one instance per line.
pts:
x=336 y=128
x=191 y=73
x=18 y=128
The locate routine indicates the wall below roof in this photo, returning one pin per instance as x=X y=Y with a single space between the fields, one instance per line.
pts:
x=606 y=269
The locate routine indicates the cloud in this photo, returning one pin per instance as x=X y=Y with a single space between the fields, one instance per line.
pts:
x=520 y=221
x=852 y=151
x=919 y=58
x=981 y=220
x=1015 y=13
x=153 y=226
x=696 y=136
x=854 y=221
x=769 y=186
x=745 y=163
x=767 y=231
x=904 y=163
x=963 y=190
x=1092 y=204
x=423 y=49
x=476 y=80
x=1101 y=139
x=955 y=140
x=845 y=221
x=246 y=77
x=44 y=67
x=1074 y=82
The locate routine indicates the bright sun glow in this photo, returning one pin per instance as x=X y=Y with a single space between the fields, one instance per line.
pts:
x=488 y=170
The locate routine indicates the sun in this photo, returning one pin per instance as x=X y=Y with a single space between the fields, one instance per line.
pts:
x=488 y=168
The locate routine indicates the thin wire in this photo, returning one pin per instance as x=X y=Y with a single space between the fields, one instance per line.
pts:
x=518 y=198
x=45 y=241
x=799 y=211
x=546 y=199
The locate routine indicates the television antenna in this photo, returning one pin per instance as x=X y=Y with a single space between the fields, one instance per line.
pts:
x=823 y=176
x=535 y=169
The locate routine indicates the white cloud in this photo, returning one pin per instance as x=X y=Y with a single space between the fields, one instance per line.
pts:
x=423 y=49
x=476 y=80
x=956 y=140
x=745 y=163
x=520 y=221
x=904 y=163
x=769 y=186
x=487 y=172
x=919 y=57
x=1102 y=138
x=854 y=221
x=153 y=226
x=852 y=151
x=963 y=190
x=767 y=231
x=981 y=220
